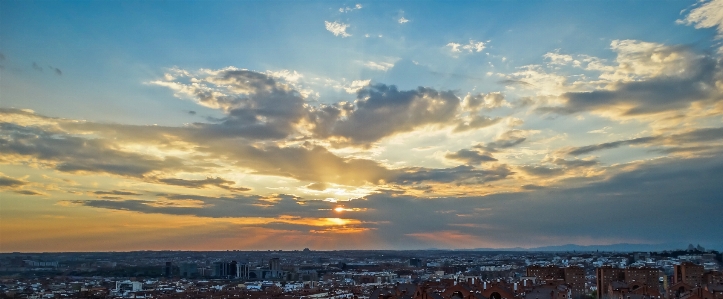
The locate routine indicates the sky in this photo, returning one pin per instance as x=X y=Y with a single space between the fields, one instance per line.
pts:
x=281 y=125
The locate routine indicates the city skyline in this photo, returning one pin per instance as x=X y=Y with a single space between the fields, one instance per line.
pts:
x=219 y=125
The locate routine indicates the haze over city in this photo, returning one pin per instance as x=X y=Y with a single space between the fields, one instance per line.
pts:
x=402 y=125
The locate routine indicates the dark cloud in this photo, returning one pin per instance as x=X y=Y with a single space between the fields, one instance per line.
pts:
x=28 y=192
x=542 y=171
x=609 y=145
x=383 y=110
x=221 y=207
x=317 y=186
x=470 y=156
x=698 y=135
x=481 y=153
x=256 y=106
x=507 y=140
x=37 y=67
x=8 y=182
x=676 y=142
x=56 y=70
x=462 y=174
x=209 y=181
x=477 y=122
x=532 y=187
x=76 y=154
x=658 y=94
x=116 y=192
x=191 y=112
x=306 y=163
x=574 y=163
x=667 y=189
x=514 y=82
x=14 y=185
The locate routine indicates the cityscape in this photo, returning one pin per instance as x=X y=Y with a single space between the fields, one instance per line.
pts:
x=317 y=149
x=690 y=273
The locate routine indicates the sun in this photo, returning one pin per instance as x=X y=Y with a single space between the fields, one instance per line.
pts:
x=339 y=209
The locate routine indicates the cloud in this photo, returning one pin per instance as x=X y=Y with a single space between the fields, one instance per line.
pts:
x=117 y=192
x=8 y=182
x=684 y=140
x=402 y=20
x=462 y=174
x=559 y=59
x=68 y=153
x=707 y=15
x=379 y=66
x=471 y=47
x=472 y=157
x=476 y=122
x=209 y=181
x=537 y=80
x=650 y=79
x=507 y=139
x=273 y=211
x=29 y=192
x=638 y=60
x=337 y=28
x=479 y=101
x=37 y=67
x=609 y=145
x=65 y=152
x=383 y=110
x=600 y=131
x=348 y=9
x=542 y=171
x=577 y=163
x=318 y=186
x=56 y=70
x=16 y=185
x=356 y=86
x=257 y=106
x=533 y=215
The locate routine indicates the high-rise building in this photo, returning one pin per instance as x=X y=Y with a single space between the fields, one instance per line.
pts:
x=274 y=264
x=224 y=269
x=242 y=271
x=414 y=262
x=168 y=269
x=188 y=270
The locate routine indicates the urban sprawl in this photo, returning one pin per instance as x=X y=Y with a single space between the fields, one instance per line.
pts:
x=690 y=273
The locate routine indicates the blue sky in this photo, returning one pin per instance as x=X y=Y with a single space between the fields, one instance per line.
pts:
x=150 y=110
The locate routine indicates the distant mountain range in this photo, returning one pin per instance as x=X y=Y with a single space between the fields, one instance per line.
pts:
x=612 y=247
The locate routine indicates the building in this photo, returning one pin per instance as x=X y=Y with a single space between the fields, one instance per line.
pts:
x=188 y=270
x=414 y=262
x=274 y=264
x=688 y=273
x=573 y=277
x=168 y=269
x=225 y=270
x=634 y=277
